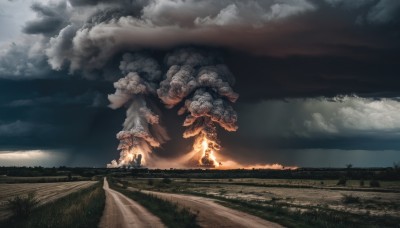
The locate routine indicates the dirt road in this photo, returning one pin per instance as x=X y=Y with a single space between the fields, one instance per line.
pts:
x=120 y=211
x=212 y=214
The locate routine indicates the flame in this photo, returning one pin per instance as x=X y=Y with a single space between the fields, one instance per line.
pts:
x=205 y=149
x=133 y=157
x=205 y=154
x=208 y=158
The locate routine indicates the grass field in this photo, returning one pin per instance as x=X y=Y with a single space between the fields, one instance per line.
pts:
x=307 y=202
x=40 y=179
x=45 y=192
x=82 y=208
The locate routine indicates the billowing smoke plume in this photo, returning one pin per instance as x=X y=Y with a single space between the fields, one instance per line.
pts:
x=141 y=130
x=205 y=85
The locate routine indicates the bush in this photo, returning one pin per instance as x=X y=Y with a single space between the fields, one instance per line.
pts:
x=22 y=207
x=374 y=183
x=361 y=183
x=342 y=181
x=349 y=199
x=150 y=182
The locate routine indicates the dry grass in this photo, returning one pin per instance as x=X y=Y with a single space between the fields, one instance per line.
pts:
x=45 y=192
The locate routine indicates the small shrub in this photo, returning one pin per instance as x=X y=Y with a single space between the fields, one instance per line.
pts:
x=342 y=181
x=322 y=183
x=361 y=183
x=230 y=180
x=150 y=182
x=188 y=180
x=350 y=199
x=22 y=207
x=166 y=180
x=374 y=184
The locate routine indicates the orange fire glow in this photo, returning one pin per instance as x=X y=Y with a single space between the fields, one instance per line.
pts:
x=207 y=148
x=132 y=157
x=205 y=154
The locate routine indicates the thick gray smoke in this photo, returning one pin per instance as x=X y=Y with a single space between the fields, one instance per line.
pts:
x=85 y=35
x=204 y=84
x=138 y=136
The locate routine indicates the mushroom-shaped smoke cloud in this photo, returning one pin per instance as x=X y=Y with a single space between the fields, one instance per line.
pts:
x=141 y=129
x=205 y=85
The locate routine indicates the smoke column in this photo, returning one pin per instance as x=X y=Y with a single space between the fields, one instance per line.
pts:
x=141 y=129
x=204 y=85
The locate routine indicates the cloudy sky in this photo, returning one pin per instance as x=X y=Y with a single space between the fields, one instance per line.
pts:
x=318 y=81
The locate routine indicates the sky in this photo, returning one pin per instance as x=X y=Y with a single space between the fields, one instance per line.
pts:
x=317 y=81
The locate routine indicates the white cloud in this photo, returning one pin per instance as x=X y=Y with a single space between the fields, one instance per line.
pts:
x=324 y=117
x=228 y=15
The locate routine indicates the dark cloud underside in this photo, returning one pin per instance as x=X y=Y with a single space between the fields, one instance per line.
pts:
x=292 y=60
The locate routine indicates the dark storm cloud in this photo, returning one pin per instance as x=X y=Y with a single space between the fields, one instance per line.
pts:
x=281 y=48
x=111 y=2
x=260 y=78
x=18 y=128
x=277 y=49
x=273 y=28
x=88 y=2
x=68 y=114
x=90 y=99
x=50 y=18
x=373 y=11
x=24 y=62
x=323 y=118
x=279 y=31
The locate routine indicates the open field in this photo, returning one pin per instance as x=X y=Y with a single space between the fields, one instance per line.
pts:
x=40 y=179
x=82 y=208
x=45 y=192
x=300 y=196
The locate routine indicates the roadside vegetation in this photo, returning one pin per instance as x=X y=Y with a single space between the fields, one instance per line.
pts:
x=308 y=216
x=170 y=214
x=350 y=210
x=22 y=206
x=79 y=209
x=305 y=216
